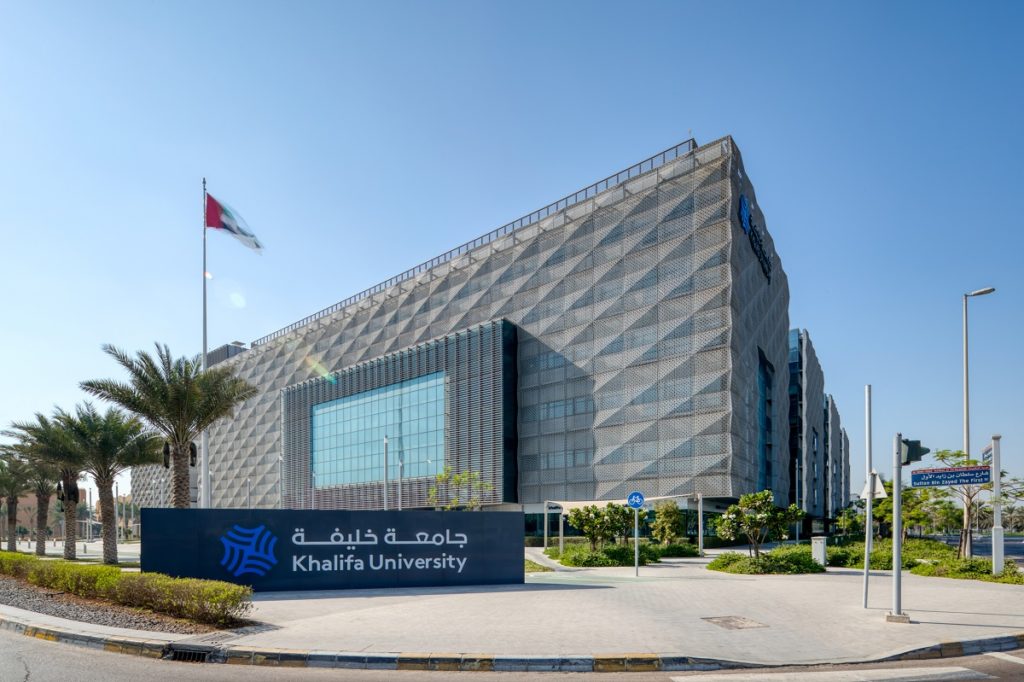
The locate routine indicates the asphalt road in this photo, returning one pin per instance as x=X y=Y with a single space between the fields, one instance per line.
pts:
x=1013 y=547
x=24 y=659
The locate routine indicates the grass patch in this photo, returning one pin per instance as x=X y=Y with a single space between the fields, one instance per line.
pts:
x=970 y=569
x=788 y=559
x=534 y=567
x=203 y=601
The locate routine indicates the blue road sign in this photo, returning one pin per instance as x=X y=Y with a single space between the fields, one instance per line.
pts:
x=976 y=475
x=635 y=499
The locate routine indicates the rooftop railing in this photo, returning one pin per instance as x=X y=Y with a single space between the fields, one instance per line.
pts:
x=645 y=166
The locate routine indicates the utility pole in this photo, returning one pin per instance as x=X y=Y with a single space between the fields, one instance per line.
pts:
x=897 y=615
x=868 y=521
x=997 y=509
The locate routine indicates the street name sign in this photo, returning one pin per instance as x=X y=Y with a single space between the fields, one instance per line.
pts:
x=286 y=549
x=975 y=475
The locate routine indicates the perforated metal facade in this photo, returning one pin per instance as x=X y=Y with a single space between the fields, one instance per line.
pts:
x=644 y=312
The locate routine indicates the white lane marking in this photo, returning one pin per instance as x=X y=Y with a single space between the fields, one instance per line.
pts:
x=1005 y=657
x=906 y=674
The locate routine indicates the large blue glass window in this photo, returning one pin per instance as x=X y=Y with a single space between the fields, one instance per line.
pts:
x=348 y=433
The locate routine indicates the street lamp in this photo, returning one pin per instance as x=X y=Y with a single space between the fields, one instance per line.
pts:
x=967 y=409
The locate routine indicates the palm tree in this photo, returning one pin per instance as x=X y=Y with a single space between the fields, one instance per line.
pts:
x=176 y=397
x=107 y=444
x=51 y=443
x=13 y=484
x=43 y=477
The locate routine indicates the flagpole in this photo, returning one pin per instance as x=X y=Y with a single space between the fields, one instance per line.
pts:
x=204 y=467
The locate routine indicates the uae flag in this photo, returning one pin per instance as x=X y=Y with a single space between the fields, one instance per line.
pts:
x=220 y=216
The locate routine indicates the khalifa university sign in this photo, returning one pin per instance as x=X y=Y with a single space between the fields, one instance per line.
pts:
x=329 y=550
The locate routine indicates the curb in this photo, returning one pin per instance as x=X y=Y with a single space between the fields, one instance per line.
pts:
x=465 y=662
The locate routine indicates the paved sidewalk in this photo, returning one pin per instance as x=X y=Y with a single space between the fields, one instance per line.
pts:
x=676 y=615
x=797 y=619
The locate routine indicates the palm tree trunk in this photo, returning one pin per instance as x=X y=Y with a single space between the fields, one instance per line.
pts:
x=70 y=528
x=12 y=523
x=180 y=498
x=42 y=512
x=106 y=495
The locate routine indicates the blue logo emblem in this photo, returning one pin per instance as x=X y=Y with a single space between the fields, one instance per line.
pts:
x=248 y=550
x=744 y=214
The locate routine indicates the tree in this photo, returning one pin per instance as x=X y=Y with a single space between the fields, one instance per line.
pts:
x=757 y=517
x=619 y=518
x=457 y=491
x=107 y=444
x=43 y=477
x=49 y=441
x=14 y=482
x=969 y=496
x=177 y=398
x=917 y=506
x=592 y=522
x=668 y=522
x=850 y=521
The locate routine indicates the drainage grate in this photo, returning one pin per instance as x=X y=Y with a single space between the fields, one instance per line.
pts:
x=189 y=655
x=734 y=622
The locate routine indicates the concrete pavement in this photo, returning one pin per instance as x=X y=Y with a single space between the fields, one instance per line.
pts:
x=675 y=614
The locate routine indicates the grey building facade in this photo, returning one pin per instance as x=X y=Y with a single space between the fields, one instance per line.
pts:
x=638 y=339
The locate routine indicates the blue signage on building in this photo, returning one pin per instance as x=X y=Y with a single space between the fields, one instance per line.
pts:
x=327 y=550
x=753 y=233
x=976 y=475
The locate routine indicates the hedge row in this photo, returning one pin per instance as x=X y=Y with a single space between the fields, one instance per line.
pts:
x=203 y=601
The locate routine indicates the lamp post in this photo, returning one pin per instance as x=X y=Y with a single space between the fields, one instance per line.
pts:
x=967 y=403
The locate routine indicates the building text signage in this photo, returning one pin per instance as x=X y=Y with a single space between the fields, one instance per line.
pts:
x=756 y=239
x=326 y=550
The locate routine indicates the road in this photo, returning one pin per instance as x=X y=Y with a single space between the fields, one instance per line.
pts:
x=24 y=659
x=1013 y=547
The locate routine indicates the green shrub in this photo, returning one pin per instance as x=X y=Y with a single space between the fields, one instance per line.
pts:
x=783 y=560
x=16 y=564
x=204 y=601
x=609 y=555
x=679 y=550
x=970 y=569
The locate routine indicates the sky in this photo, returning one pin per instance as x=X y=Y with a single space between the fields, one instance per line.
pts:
x=361 y=139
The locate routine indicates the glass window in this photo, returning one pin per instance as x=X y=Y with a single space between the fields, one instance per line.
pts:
x=348 y=433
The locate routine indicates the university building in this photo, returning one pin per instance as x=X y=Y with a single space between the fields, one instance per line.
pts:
x=631 y=335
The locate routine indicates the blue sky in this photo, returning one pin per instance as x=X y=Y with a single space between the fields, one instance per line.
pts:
x=360 y=139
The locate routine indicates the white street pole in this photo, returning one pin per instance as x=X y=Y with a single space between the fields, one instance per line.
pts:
x=88 y=532
x=636 y=541
x=544 y=516
x=700 y=524
x=385 y=473
x=248 y=493
x=400 y=464
x=204 y=464
x=312 y=490
x=997 y=509
x=561 y=532
x=897 y=614
x=966 y=539
x=868 y=521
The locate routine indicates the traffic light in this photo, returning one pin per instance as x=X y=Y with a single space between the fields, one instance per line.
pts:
x=911 y=451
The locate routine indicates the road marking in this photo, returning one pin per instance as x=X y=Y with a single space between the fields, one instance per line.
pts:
x=1005 y=657
x=915 y=674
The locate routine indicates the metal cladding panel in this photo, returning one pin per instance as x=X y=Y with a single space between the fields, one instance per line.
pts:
x=834 y=458
x=639 y=311
x=759 y=325
x=810 y=444
x=476 y=434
